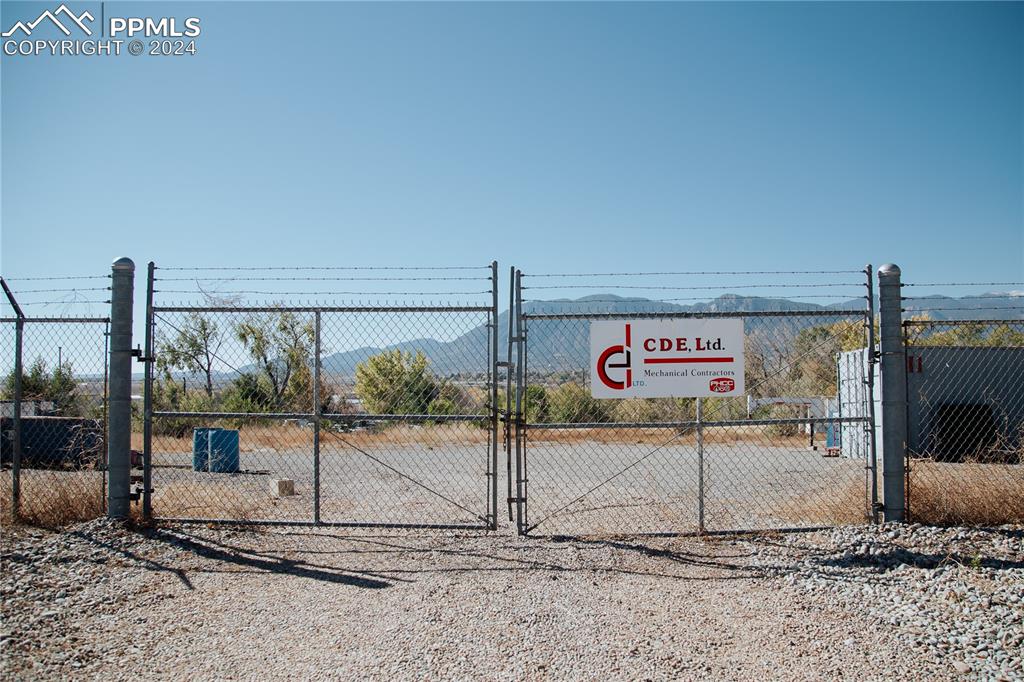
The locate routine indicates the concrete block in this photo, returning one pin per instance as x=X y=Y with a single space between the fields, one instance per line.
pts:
x=282 y=487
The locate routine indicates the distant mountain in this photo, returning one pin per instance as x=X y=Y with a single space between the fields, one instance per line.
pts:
x=562 y=344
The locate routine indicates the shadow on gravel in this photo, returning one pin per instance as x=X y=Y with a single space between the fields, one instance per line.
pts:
x=266 y=563
x=391 y=551
x=209 y=549
x=892 y=559
x=148 y=564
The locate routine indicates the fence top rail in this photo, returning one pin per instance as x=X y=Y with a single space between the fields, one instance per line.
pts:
x=58 y=320
x=684 y=315
x=326 y=309
x=957 y=323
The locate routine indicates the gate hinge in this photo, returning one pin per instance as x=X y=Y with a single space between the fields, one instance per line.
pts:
x=515 y=499
x=501 y=363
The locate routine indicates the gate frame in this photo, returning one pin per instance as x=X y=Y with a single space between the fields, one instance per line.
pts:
x=867 y=316
x=490 y=517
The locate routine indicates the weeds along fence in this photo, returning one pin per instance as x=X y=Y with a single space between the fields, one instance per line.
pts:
x=965 y=419
x=351 y=412
x=786 y=453
x=373 y=396
x=53 y=419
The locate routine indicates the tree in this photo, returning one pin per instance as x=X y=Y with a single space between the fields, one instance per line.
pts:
x=194 y=349
x=394 y=382
x=282 y=348
x=572 y=403
x=39 y=383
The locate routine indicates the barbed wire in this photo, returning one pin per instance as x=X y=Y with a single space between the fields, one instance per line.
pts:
x=54 y=279
x=977 y=309
x=697 y=272
x=58 y=291
x=672 y=300
x=323 y=268
x=964 y=284
x=963 y=298
x=697 y=288
x=321 y=279
x=61 y=302
x=217 y=294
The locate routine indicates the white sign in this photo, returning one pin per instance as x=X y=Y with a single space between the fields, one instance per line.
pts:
x=676 y=358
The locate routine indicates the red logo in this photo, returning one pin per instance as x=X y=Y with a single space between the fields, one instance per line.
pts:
x=722 y=385
x=604 y=364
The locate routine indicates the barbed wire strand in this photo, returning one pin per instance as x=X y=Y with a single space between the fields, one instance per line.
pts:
x=964 y=284
x=217 y=294
x=696 y=272
x=321 y=279
x=323 y=268
x=698 y=288
x=54 y=279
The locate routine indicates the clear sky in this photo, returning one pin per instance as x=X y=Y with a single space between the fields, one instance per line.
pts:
x=560 y=137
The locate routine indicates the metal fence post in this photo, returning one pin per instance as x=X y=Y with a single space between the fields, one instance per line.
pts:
x=520 y=421
x=494 y=396
x=119 y=444
x=147 y=400
x=869 y=382
x=317 y=415
x=700 y=465
x=19 y=338
x=894 y=392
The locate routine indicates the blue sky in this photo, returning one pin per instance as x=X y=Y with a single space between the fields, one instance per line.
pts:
x=563 y=137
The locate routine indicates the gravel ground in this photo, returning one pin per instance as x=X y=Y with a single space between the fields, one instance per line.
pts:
x=218 y=603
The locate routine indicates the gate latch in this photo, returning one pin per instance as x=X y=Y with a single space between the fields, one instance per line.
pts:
x=137 y=354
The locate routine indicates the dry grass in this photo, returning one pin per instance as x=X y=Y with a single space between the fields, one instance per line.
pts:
x=946 y=494
x=204 y=500
x=658 y=436
x=53 y=499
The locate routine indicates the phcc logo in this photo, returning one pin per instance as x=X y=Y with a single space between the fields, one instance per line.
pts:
x=55 y=18
x=616 y=358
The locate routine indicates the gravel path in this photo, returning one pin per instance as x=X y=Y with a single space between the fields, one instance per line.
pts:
x=215 y=603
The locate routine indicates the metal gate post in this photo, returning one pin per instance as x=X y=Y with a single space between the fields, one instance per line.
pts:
x=147 y=400
x=494 y=396
x=509 y=365
x=19 y=338
x=894 y=393
x=700 y=465
x=872 y=361
x=519 y=420
x=119 y=444
x=317 y=414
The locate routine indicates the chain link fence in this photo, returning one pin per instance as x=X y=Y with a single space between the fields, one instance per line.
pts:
x=359 y=414
x=965 y=420
x=54 y=420
x=792 y=452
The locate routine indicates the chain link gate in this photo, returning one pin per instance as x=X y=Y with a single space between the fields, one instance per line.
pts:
x=53 y=427
x=965 y=408
x=796 y=451
x=350 y=415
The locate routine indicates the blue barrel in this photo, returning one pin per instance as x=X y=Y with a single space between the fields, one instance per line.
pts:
x=224 y=451
x=215 y=450
x=200 y=447
x=832 y=431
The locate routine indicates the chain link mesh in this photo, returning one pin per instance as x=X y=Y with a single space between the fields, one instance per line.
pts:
x=393 y=426
x=965 y=392
x=791 y=453
x=63 y=420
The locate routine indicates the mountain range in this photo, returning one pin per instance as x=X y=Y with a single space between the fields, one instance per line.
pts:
x=559 y=344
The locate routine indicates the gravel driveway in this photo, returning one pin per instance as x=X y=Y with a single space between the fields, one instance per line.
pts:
x=218 y=603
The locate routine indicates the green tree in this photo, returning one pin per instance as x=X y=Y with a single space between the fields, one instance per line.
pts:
x=572 y=403
x=393 y=382
x=194 y=348
x=282 y=348
x=57 y=386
